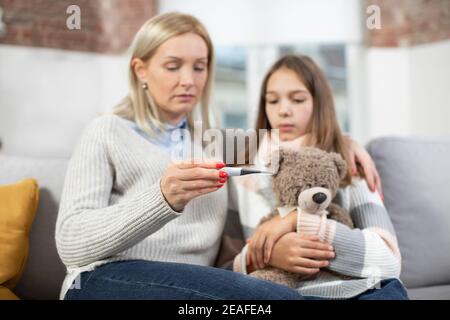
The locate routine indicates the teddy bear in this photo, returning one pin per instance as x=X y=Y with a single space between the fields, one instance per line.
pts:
x=306 y=180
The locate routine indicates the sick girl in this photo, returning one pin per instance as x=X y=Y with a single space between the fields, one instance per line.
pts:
x=297 y=100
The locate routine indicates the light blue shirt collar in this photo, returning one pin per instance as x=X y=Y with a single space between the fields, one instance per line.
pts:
x=163 y=138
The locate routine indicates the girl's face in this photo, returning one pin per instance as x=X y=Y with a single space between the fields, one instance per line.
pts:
x=289 y=104
x=176 y=75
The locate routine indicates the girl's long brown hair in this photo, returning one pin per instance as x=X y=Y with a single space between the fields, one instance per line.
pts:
x=324 y=131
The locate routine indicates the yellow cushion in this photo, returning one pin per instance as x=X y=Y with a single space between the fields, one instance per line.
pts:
x=18 y=204
x=6 y=294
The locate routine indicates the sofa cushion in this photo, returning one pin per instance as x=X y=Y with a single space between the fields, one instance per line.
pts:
x=6 y=294
x=44 y=271
x=18 y=203
x=430 y=293
x=416 y=182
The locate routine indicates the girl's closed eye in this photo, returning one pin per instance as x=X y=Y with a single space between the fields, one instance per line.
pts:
x=199 y=68
x=298 y=99
x=271 y=98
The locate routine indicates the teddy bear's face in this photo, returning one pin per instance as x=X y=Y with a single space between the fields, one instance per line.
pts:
x=308 y=177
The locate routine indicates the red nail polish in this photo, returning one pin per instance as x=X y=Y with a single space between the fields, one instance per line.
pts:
x=223 y=180
x=220 y=165
x=219 y=186
x=223 y=174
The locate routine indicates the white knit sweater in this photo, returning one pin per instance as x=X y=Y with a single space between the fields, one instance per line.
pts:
x=112 y=207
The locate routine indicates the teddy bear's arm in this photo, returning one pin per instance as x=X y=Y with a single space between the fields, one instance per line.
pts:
x=338 y=213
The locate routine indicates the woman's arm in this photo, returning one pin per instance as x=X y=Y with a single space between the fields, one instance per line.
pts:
x=88 y=228
x=370 y=250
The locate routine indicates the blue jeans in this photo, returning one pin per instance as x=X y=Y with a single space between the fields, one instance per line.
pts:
x=139 y=279
x=390 y=289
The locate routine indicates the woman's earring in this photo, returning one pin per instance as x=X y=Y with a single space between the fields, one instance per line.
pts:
x=144 y=86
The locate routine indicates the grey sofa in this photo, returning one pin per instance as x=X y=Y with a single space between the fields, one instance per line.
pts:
x=416 y=180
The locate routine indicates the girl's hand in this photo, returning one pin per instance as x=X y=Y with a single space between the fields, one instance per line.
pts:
x=360 y=155
x=301 y=254
x=261 y=242
x=186 y=180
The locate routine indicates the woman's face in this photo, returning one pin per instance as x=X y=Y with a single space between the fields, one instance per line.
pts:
x=289 y=104
x=176 y=75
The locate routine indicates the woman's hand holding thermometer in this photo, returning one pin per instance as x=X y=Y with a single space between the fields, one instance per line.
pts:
x=184 y=181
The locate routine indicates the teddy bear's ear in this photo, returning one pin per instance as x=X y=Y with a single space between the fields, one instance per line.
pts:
x=273 y=162
x=341 y=165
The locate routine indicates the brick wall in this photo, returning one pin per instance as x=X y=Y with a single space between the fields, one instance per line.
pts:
x=410 y=22
x=107 y=26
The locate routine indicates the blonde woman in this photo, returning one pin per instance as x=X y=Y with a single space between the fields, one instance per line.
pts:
x=132 y=223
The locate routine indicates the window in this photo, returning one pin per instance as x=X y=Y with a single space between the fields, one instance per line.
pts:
x=237 y=86
x=230 y=90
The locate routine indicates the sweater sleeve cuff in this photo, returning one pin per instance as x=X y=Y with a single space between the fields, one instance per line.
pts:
x=315 y=225
x=237 y=263
x=240 y=261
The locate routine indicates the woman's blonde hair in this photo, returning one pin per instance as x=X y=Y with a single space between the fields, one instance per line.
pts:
x=324 y=131
x=139 y=105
